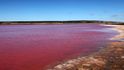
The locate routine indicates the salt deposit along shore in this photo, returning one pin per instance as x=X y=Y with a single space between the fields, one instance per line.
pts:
x=108 y=58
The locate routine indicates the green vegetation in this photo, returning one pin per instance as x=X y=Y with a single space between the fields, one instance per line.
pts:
x=57 y=22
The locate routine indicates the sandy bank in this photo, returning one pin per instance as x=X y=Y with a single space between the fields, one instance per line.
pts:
x=109 y=58
x=120 y=29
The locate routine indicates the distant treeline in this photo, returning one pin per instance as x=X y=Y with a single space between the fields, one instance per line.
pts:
x=58 y=22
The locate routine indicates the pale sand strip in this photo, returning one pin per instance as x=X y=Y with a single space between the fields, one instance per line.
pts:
x=120 y=29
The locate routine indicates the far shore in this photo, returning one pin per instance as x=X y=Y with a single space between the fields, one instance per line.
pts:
x=59 y=22
x=108 y=58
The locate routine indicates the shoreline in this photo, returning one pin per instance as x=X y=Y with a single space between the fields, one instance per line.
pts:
x=120 y=29
x=108 y=58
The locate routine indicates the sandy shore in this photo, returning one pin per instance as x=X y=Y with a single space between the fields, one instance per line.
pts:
x=109 y=58
x=120 y=29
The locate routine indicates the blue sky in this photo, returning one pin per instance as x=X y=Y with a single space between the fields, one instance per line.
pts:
x=39 y=10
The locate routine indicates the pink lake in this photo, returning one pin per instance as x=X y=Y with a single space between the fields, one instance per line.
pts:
x=33 y=47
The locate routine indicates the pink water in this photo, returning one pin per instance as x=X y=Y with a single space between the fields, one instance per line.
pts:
x=33 y=47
